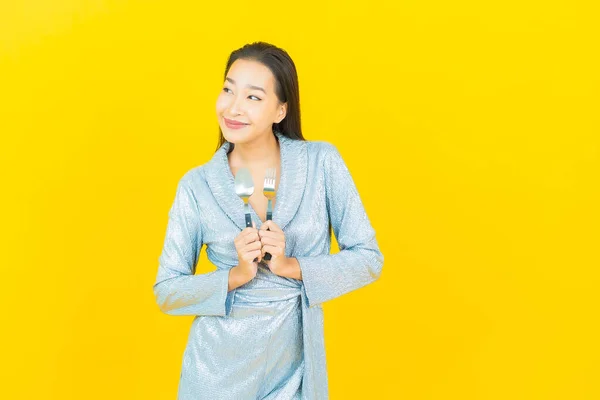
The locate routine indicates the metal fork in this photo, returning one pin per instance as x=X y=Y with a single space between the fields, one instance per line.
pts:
x=269 y=193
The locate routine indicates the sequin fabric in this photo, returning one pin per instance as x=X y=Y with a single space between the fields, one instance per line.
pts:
x=264 y=339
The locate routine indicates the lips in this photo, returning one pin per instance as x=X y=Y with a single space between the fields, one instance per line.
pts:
x=234 y=124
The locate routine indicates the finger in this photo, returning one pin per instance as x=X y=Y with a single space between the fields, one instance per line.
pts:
x=251 y=255
x=274 y=250
x=245 y=235
x=271 y=225
x=264 y=233
x=269 y=241
x=272 y=233
x=251 y=236
x=250 y=241
x=279 y=236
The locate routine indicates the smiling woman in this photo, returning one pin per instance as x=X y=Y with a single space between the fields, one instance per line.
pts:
x=260 y=91
x=258 y=329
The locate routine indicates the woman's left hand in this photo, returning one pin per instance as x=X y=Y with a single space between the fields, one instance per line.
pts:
x=273 y=241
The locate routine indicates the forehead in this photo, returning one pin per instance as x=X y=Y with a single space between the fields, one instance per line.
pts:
x=246 y=72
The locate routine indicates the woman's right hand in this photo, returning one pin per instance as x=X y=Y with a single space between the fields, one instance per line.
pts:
x=248 y=247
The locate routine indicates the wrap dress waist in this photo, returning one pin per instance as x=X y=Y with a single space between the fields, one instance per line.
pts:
x=274 y=294
x=266 y=294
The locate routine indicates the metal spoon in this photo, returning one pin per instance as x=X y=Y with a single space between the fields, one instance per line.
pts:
x=244 y=187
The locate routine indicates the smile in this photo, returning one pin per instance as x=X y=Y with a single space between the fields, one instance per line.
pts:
x=234 y=124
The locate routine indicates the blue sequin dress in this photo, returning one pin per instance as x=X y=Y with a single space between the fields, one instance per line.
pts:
x=264 y=339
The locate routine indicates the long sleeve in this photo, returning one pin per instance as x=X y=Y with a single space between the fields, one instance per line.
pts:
x=359 y=261
x=178 y=290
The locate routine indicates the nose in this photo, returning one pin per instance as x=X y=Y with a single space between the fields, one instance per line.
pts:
x=235 y=107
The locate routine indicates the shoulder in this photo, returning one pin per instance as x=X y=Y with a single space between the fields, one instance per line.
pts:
x=321 y=150
x=326 y=155
x=194 y=179
x=193 y=175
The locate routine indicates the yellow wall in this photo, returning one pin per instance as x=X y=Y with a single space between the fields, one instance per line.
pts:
x=470 y=127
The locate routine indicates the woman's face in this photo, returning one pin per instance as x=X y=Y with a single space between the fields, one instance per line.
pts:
x=248 y=97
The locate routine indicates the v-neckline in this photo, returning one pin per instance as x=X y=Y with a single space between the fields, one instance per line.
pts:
x=256 y=214
x=293 y=170
x=281 y=178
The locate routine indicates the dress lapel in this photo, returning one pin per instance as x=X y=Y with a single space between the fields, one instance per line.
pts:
x=294 y=170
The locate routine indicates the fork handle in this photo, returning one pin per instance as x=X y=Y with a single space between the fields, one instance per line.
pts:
x=269 y=217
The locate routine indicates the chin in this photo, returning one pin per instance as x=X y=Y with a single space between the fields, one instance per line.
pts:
x=234 y=136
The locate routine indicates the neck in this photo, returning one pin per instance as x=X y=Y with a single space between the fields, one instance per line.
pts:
x=261 y=151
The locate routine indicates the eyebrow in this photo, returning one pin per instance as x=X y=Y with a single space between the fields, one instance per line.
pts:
x=249 y=86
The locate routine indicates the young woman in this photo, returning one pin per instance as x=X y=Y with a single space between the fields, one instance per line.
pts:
x=257 y=331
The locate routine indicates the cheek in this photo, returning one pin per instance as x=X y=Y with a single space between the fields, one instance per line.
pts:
x=222 y=103
x=257 y=113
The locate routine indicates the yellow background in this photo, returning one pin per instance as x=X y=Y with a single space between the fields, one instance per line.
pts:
x=471 y=129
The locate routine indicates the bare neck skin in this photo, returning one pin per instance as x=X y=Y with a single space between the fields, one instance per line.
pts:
x=258 y=155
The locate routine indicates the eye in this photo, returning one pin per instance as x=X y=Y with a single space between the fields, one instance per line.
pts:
x=225 y=89
x=254 y=97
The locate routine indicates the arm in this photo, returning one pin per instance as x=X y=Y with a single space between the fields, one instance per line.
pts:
x=359 y=261
x=177 y=289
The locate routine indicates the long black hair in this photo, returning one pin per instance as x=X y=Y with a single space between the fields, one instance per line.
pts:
x=286 y=84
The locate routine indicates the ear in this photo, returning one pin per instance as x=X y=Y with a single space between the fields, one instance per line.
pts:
x=281 y=113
